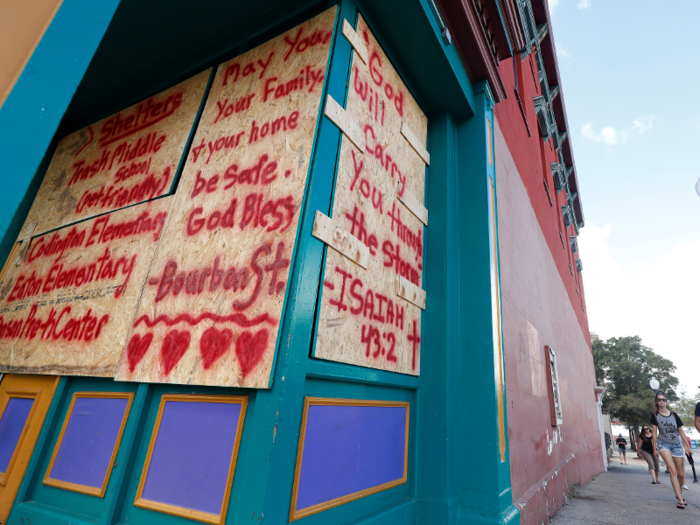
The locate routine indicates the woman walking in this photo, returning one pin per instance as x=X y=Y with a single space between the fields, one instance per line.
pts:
x=646 y=446
x=670 y=441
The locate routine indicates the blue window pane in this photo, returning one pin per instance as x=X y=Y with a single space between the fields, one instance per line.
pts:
x=11 y=426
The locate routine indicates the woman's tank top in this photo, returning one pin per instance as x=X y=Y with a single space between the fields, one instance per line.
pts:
x=648 y=445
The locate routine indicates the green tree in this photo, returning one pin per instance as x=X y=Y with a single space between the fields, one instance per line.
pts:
x=685 y=408
x=624 y=366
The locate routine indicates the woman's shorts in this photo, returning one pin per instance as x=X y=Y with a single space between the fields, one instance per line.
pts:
x=651 y=460
x=623 y=451
x=676 y=450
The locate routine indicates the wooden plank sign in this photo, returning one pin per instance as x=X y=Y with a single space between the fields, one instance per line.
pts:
x=124 y=159
x=68 y=306
x=211 y=309
x=365 y=318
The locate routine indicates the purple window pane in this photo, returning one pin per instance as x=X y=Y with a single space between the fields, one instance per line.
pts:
x=192 y=455
x=348 y=449
x=11 y=426
x=89 y=440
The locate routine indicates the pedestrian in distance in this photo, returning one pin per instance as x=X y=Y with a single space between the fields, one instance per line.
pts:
x=670 y=442
x=646 y=446
x=692 y=463
x=622 y=448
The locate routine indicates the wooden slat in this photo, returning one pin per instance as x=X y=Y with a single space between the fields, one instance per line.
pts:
x=27 y=232
x=409 y=291
x=415 y=143
x=355 y=41
x=328 y=231
x=23 y=241
x=340 y=118
x=413 y=205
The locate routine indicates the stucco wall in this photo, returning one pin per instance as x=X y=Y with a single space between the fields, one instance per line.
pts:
x=22 y=24
x=532 y=158
x=546 y=461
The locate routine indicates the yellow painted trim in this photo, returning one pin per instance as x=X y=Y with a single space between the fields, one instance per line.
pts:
x=295 y=514
x=11 y=257
x=498 y=360
x=197 y=515
x=76 y=487
x=25 y=384
x=21 y=393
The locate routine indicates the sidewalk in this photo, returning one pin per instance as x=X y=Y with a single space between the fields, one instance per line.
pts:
x=624 y=495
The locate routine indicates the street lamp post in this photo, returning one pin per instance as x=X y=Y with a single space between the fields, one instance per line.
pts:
x=654 y=384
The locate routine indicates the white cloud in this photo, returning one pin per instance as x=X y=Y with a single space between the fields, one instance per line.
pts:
x=562 y=53
x=607 y=134
x=553 y=4
x=642 y=124
x=612 y=136
x=584 y=4
x=655 y=297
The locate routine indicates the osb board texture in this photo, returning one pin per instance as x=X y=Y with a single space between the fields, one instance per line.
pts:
x=125 y=159
x=362 y=321
x=211 y=309
x=69 y=304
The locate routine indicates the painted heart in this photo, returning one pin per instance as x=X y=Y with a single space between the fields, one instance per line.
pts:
x=250 y=349
x=138 y=346
x=214 y=344
x=173 y=348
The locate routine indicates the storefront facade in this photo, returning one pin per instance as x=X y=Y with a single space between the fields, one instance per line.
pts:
x=253 y=265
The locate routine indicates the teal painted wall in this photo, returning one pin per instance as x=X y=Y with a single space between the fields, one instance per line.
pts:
x=455 y=473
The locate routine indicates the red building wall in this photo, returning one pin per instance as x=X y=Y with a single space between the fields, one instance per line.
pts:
x=533 y=157
x=541 y=307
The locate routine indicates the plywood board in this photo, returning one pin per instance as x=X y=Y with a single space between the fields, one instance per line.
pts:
x=362 y=320
x=122 y=160
x=68 y=306
x=211 y=310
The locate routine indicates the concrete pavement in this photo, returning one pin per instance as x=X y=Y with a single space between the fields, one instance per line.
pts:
x=625 y=496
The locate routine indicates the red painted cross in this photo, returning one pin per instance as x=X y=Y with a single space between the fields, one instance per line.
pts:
x=415 y=339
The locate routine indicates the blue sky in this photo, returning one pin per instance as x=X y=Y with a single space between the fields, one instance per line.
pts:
x=629 y=75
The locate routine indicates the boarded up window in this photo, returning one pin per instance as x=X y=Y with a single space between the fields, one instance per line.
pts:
x=116 y=274
x=555 y=389
x=372 y=317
